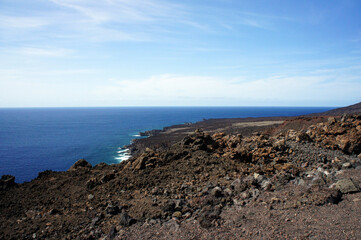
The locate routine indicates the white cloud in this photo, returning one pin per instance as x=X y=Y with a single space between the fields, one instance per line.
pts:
x=258 y=23
x=110 y=20
x=41 y=52
x=41 y=94
x=10 y=22
x=103 y=34
x=40 y=75
x=70 y=88
x=122 y=10
x=124 y=20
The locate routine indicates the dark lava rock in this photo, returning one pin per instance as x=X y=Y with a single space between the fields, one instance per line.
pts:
x=7 y=181
x=112 y=210
x=217 y=192
x=303 y=137
x=188 y=140
x=281 y=180
x=126 y=220
x=334 y=197
x=97 y=219
x=169 y=206
x=238 y=185
x=54 y=211
x=91 y=183
x=320 y=196
x=150 y=133
x=45 y=173
x=80 y=164
x=208 y=215
x=112 y=233
x=106 y=178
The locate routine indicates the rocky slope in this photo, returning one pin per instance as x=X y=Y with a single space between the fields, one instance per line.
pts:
x=352 y=109
x=279 y=183
x=245 y=126
x=162 y=139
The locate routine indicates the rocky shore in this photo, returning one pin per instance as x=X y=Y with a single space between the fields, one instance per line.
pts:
x=164 y=138
x=269 y=178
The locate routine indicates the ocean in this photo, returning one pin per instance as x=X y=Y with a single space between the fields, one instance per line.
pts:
x=37 y=139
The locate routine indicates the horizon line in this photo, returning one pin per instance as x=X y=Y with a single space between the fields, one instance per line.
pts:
x=161 y=106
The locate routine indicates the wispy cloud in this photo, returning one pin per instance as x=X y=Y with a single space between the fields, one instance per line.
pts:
x=122 y=10
x=126 y=20
x=37 y=75
x=10 y=22
x=266 y=16
x=110 y=20
x=39 y=52
x=250 y=19
x=258 y=23
x=212 y=49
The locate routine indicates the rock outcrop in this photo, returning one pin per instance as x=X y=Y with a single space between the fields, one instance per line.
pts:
x=80 y=164
x=343 y=134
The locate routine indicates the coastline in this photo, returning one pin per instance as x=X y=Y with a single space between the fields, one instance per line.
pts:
x=251 y=178
x=72 y=136
x=164 y=138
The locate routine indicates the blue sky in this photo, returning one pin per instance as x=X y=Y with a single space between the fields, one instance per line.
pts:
x=62 y=53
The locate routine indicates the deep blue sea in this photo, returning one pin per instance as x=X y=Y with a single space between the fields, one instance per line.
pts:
x=37 y=139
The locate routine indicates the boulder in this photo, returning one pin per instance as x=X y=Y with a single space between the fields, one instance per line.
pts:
x=145 y=160
x=331 y=120
x=80 y=164
x=346 y=186
x=91 y=183
x=97 y=219
x=177 y=214
x=112 y=210
x=217 y=192
x=112 y=232
x=280 y=145
x=346 y=165
x=303 y=137
x=188 y=140
x=238 y=185
x=6 y=182
x=169 y=206
x=125 y=219
x=107 y=177
x=208 y=215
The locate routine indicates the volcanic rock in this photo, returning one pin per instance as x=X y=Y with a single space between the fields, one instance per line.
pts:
x=346 y=186
x=80 y=164
x=205 y=180
x=125 y=219
x=7 y=181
